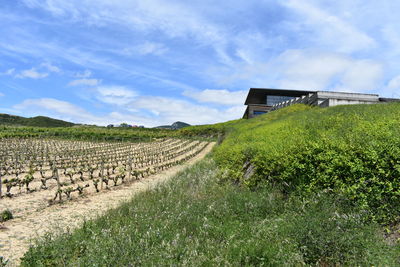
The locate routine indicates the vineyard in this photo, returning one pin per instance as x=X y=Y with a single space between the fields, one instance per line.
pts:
x=60 y=170
x=86 y=133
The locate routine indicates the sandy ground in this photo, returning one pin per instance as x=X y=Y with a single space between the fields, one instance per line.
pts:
x=16 y=235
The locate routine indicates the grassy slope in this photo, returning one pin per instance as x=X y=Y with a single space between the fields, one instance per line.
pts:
x=197 y=219
x=353 y=150
x=39 y=121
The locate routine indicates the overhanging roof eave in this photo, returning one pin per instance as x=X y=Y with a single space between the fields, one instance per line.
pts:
x=262 y=92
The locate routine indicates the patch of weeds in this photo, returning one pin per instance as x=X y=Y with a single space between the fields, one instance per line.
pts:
x=3 y=261
x=6 y=215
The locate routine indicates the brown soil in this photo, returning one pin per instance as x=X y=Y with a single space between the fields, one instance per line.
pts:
x=34 y=216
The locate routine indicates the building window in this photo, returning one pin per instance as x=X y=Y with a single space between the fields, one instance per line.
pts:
x=276 y=99
x=258 y=112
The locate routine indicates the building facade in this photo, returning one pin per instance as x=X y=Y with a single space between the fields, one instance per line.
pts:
x=263 y=100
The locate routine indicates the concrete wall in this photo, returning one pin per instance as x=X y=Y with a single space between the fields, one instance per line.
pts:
x=337 y=102
x=348 y=96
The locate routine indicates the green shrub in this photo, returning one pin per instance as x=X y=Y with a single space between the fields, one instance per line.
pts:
x=353 y=150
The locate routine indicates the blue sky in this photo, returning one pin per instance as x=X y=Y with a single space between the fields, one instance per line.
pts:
x=154 y=62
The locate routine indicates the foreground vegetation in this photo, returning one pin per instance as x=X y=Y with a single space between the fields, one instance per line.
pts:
x=299 y=185
x=194 y=220
x=350 y=150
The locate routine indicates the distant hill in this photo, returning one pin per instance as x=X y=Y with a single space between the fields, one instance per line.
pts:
x=38 y=121
x=175 y=126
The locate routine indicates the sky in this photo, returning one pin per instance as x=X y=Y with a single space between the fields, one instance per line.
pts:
x=153 y=62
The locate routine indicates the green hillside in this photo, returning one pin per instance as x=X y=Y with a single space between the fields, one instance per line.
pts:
x=300 y=186
x=39 y=121
x=351 y=150
x=175 y=126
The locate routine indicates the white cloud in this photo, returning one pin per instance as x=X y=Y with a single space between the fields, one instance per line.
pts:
x=394 y=83
x=147 y=48
x=67 y=110
x=32 y=73
x=88 y=82
x=50 y=67
x=115 y=95
x=392 y=88
x=363 y=75
x=84 y=74
x=258 y=74
x=308 y=70
x=1 y=94
x=221 y=97
x=174 y=19
x=169 y=110
x=329 y=29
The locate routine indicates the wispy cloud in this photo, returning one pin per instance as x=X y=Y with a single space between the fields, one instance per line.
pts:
x=83 y=74
x=328 y=29
x=87 y=82
x=32 y=73
x=58 y=107
x=308 y=70
x=392 y=89
x=153 y=62
x=50 y=67
x=115 y=95
x=220 y=97
x=170 y=109
x=147 y=48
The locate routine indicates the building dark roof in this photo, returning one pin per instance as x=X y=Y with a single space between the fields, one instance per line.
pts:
x=385 y=99
x=258 y=95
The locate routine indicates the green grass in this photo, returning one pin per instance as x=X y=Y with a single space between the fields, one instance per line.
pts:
x=194 y=220
x=351 y=150
x=298 y=186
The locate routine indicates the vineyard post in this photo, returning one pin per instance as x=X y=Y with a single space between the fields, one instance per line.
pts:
x=55 y=171
x=0 y=185
x=129 y=168
x=102 y=175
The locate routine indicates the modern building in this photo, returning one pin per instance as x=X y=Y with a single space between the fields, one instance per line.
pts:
x=263 y=100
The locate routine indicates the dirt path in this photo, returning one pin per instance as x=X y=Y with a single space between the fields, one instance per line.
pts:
x=16 y=235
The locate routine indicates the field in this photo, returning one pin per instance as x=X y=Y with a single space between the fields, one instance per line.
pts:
x=85 y=133
x=39 y=173
x=65 y=168
x=298 y=186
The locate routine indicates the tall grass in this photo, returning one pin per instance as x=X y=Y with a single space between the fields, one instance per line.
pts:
x=194 y=220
